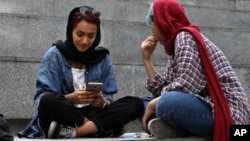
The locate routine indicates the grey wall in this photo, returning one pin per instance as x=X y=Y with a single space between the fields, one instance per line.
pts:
x=29 y=27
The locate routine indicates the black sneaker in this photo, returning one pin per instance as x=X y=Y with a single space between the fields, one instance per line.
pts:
x=58 y=131
x=111 y=133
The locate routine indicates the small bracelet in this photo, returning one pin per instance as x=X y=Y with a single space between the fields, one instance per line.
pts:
x=104 y=105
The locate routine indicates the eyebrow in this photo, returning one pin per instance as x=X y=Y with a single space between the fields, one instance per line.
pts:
x=85 y=32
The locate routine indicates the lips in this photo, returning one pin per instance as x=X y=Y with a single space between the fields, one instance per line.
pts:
x=82 y=48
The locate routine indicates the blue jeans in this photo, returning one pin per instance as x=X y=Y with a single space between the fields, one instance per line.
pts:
x=187 y=111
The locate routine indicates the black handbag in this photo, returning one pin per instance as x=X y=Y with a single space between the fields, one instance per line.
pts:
x=5 y=133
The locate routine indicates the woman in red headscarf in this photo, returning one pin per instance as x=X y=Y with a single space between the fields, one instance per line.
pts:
x=199 y=93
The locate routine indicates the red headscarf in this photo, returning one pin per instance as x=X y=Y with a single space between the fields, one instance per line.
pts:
x=170 y=19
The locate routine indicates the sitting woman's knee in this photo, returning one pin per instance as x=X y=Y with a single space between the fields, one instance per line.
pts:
x=47 y=98
x=168 y=102
x=136 y=106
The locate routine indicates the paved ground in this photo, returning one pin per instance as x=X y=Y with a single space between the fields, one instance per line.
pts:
x=124 y=137
x=85 y=139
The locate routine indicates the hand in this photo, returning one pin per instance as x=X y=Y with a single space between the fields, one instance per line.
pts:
x=82 y=96
x=149 y=113
x=99 y=101
x=148 y=46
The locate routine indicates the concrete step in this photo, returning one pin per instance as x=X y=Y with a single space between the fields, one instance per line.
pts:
x=120 y=139
x=133 y=132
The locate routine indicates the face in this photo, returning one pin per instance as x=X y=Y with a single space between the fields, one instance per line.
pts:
x=84 y=35
x=157 y=34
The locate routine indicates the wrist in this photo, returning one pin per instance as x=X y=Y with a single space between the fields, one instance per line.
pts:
x=147 y=62
x=146 y=59
x=69 y=97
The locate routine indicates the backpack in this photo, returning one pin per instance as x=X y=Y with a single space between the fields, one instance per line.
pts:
x=5 y=133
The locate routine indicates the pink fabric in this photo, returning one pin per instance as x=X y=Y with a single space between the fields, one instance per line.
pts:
x=170 y=19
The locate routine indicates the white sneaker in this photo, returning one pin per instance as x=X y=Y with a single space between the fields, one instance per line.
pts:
x=160 y=130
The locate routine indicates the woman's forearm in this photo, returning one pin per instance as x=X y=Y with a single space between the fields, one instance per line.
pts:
x=149 y=69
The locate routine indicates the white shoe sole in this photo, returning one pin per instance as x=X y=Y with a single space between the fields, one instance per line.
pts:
x=38 y=123
x=160 y=130
x=51 y=129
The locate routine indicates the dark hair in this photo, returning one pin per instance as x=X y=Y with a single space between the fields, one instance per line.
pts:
x=88 y=14
x=77 y=17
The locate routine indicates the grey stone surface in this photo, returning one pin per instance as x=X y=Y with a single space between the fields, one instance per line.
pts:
x=235 y=5
x=219 y=18
x=17 y=89
x=242 y=5
x=234 y=44
x=29 y=37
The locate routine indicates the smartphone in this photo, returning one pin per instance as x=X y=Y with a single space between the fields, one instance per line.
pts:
x=91 y=86
x=94 y=86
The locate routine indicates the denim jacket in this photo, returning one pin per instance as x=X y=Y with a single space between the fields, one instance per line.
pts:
x=54 y=75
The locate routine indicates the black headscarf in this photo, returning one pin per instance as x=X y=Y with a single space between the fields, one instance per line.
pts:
x=92 y=56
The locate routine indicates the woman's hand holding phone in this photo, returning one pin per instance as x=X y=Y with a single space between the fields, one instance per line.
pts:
x=91 y=95
x=97 y=87
x=99 y=101
x=83 y=96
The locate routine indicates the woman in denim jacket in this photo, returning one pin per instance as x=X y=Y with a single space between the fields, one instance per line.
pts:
x=65 y=70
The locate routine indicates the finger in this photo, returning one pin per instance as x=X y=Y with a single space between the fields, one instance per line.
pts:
x=81 y=89
x=90 y=94
x=145 y=125
x=151 y=39
x=99 y=94
x=87 y=101
x=87 y=97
